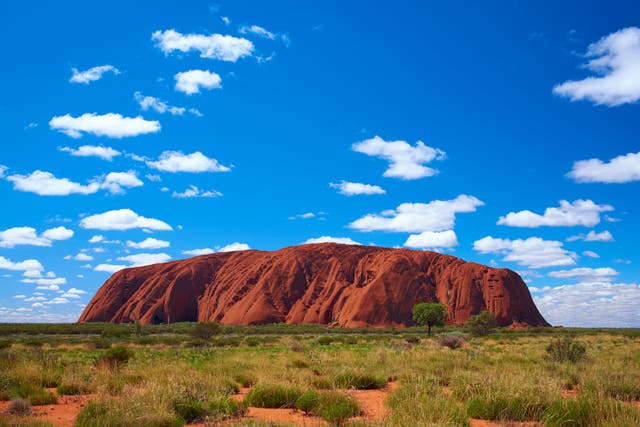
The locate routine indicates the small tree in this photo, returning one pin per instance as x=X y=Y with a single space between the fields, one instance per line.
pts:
x=205 y=330
x=482 y=324
x=429 y=314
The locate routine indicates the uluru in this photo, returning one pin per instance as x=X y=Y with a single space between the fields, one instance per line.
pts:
x=326 y=283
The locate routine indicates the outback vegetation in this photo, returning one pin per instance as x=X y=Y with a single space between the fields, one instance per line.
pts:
x=186 y=374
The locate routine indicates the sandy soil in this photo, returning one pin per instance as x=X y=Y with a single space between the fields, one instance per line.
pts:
x=62 y=414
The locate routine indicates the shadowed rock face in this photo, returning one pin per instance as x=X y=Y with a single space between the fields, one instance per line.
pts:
x=351 y=286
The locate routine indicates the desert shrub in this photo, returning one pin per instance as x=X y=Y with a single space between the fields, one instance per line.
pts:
x=299 y=364
x=205 y=330
x=482 y=324
x=322 y=383
x=5 y=344
x=112 y=414
x=452 y=342
x=224 y=407
x=34 y=394
x=589 y=412
x=116 y=356
x=189 y=409
x=23 y=422
x=196 y=342
x=273 y=396
x=325 y=340
x=226 y=341
x=19 y=406
x=120 y=331
x=359 y=381
x=100 y=343
x=566 y=349
x=308 y=402
x=336 y=408
x=412 y=340
x=505 y=407
x=245 y=380
x=252 y=341
x=73 y=389
x=297 y=346
x=33 y=342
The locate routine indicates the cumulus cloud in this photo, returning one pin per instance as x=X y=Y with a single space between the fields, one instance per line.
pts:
x=46 y=283
x=432 y=239
x=139 y=260
x=74 y=293
x=115 y=182
x=615 y=59
x=592 y=236
x=405 y=161
x=111 y=125
x=92 y=74
x=122 y=219
x=235 y=246
x=192 y=81
x=176 y=161
x=585 y=274
x=331 y=239
x=105 y=153
x=214 y=46
x=159 y=106
x=149 y=243
x=354 y=188
x=596 y=304
x=197 y=252
x=80 y=257
x=194 y=191
x=579 y=212
x=533 y=252
x=109 y=268
x=32 y=265
x=308 y=215
x=438 y=215
x=46 y=184
x=96 y=239
x=16 y=236
x=619 y=170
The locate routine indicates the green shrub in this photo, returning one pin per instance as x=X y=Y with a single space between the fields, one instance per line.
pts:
x=100 y=344
x=5 y=344
x=110 y=414
x=190 y=410
x=245 y=380
x=116 y=331
x=205 y=330
x=73 y=389
x=224 y=407
x=116 y=356
x=482 y=324
x=308 y=402
x=504 y=407
x=325 y=340
x=566 y=349
x=336 y=408
x=273 y=396
x=589 y=412
x=35 y=395
x=452 y=342
x=359 y=381
x=252 y=341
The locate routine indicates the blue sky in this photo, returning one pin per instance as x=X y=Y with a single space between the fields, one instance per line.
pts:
x=505 y=133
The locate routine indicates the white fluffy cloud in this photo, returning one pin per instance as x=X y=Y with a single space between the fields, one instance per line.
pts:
x=590 y=254
x=615 y=59
x=533 y=252
x=192 y=81
x=405 y=161
x=438 y=215
x=80 y=257
x=579 y=212
x=159 y=106
x=618 y=170
x=149 y=243
x=176 y=161
x=596 y=304
x=122 y=219
x=354 y=188
x=139 y=260
x=73 y=293
x=592 y=236
x=115 y=182
x=105 y=153
x=330 y=239
x=31 y=265
x=214 y=46
x=46 y=184
x=16 y=236
x=232 y=247
x=197 y=252
x=92 y=74
x=432 y=239
x=194 y=191
x=585 y=274
x=109 y=268
x=111 y=125
x=47 y=283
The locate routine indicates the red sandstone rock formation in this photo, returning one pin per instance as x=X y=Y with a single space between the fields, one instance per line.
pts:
x=352 y=286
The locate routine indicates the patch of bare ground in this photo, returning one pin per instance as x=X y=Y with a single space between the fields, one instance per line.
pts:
x=61 y=414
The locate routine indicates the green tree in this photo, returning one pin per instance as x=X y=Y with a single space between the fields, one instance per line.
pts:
x=429 y=314
x=205 y=330
x=482 y=324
